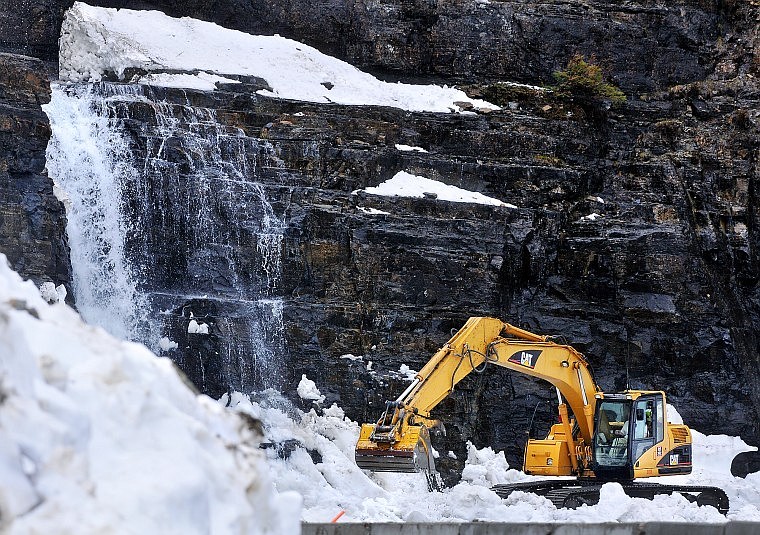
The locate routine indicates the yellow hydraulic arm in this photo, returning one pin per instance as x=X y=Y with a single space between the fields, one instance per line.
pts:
x=399 y=441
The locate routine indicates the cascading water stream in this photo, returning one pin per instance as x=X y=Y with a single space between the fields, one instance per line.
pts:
x=89 y=161
x=168 y=223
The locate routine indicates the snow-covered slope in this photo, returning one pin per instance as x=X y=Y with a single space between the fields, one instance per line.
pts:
x=95 y=41
x=102 y=436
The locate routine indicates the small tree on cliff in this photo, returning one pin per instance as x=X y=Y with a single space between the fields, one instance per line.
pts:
x=584 y=79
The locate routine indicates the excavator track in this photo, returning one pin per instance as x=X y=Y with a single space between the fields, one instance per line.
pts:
x=572 y=494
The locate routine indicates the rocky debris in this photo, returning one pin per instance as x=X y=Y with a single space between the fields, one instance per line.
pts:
x=32 y=219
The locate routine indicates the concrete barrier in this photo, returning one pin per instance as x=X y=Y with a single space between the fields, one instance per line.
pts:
x=492 y=528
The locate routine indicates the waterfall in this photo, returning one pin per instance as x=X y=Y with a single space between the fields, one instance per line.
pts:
x=89 y=161
x=168 y=222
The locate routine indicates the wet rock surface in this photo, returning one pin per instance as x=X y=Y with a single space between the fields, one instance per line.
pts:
x=32 y=28
x=32 y=220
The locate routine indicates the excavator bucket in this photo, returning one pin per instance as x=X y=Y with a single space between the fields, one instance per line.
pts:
x=411 y=452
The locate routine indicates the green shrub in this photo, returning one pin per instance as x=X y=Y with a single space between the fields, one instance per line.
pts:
x=583 y=78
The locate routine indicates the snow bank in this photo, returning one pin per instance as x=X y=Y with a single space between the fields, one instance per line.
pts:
x=320 y=466
x=404 y=184
x=97 y=41
x=102 y=436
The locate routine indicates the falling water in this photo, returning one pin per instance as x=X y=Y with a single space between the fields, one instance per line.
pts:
x=166 y=216
x=89 y=162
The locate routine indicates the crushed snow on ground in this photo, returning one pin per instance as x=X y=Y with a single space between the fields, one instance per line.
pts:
x=322 y=469
x=99 y=41
x=101 y=436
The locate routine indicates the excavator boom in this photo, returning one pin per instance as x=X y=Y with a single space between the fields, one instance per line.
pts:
x=399 y=440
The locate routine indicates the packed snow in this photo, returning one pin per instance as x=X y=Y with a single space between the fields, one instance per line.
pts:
x=372 y=211
x=96 y=42
x=407 y=373
x=101 y=436
x=197 y=328
x=166 y=344
x=52 y=293
x=321 y=468
x=405 y=184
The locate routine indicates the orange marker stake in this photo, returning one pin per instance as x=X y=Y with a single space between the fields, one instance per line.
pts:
x=334 y=520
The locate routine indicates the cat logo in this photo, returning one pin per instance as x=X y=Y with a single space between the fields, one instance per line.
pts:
x=525 y=358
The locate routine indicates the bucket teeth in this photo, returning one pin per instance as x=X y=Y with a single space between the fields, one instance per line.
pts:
x=386 y=463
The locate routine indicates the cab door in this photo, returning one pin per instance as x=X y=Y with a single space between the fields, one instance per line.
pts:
x=648 y=427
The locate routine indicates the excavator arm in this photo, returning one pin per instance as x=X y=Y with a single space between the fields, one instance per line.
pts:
x=400 y=440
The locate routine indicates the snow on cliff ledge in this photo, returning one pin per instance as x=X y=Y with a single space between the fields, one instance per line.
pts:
x=102 y=436
x=404 y=184
x=95 y=41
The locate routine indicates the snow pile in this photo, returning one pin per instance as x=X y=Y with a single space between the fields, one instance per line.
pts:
x=101 y=436
x=407 y=373
x=166 y=344
x=52 y=293
x=404 y=184
x=307 y=389
x=197 y=328
x=319 y=465
x=371 y=211
x=487 y=468
x=98 y=41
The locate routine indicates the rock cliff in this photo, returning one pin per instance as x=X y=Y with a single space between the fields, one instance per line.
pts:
x=32 y=219
x=662 y=283
x=645 y=44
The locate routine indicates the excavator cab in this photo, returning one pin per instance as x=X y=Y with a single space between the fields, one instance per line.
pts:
x=627 y=428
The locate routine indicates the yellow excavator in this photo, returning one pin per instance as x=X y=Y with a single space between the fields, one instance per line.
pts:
x=600 y=436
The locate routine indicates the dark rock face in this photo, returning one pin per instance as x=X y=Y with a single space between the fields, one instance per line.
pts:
x=663 y=283
x=32 y=220
x=32 y=27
